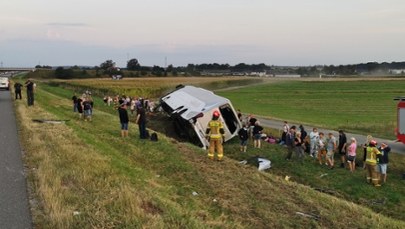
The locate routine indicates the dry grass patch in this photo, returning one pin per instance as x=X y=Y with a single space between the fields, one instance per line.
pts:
x=74 y=185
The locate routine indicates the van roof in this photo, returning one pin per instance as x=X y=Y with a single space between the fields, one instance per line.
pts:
x=194 y=99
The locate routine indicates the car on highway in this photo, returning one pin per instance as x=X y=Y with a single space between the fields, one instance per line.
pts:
x=4 y=83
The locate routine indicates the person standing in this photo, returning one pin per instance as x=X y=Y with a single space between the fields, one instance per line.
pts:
x=257 y=135
x=314 y=137
x=331 y=148
x=30 y=92
x=371 y=163
x=303 y=133
x=87 y=109
x=299 y=150
x=321 y=145
x=290 y=142
x=351 y=154
x=80 y=107
x=17 y=90
x=124 y=120
x=216 y=135
x=342 y=148
x=286 y=128
x=383 y=162
x=141 y=121
x=243 y=137
x=74 y=101
x=365 y=145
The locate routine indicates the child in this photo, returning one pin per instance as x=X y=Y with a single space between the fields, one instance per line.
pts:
x=243 y=136
x=321 y=142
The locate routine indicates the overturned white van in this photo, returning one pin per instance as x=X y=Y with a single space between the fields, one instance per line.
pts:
x=191 y=109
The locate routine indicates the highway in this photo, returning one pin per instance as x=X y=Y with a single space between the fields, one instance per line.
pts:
x=14 y=206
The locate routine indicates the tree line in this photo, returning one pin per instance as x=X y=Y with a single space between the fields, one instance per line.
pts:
x=135 y=69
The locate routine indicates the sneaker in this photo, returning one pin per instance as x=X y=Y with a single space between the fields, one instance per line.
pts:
x=377 y=185
x=311 y=155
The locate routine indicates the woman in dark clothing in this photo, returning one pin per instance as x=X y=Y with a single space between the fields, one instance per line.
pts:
x=124 y=120
x=257 y=134
x=80 y=107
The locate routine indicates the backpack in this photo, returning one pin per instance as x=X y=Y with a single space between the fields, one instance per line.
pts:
x=154 y=137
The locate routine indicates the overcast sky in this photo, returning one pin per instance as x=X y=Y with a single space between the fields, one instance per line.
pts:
x=282 y=32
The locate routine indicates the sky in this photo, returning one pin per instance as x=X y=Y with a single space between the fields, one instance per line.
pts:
x=179 y=32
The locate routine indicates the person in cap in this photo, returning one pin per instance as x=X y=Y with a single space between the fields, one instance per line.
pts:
x=371 y=163
x=216 y=135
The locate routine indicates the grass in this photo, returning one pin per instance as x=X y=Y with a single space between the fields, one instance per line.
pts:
x=151 y=87
x=83 y=175
x=358 y=106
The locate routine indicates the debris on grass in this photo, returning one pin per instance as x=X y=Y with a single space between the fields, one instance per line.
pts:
x=308 y=215
x=287 y=178
x=194 y=193
x=76 y=213
x=50 y=121
x=322 y=175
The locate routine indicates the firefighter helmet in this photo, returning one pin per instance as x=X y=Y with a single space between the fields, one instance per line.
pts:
x=216 y=114
x=373 y=142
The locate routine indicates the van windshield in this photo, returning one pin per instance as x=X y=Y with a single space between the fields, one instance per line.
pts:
x=229 y=117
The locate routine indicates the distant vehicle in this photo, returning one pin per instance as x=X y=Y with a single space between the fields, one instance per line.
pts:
x=4 y=83
x=400 y=130
x=191 y=109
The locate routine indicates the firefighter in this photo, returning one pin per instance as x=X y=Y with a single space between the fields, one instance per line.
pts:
x=216 y=135
x=371 y=163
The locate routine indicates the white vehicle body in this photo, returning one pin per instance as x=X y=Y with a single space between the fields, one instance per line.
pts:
x=4 y=83
x=191 y=109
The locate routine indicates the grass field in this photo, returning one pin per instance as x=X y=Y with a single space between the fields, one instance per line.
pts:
x=83 y=175
x=358 y=106
x=151 y=87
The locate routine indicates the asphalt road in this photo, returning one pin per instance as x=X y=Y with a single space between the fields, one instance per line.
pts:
x=14 y=207
x=396 y=147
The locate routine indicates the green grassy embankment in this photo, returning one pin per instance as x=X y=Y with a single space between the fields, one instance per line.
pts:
x=83 y=175
x=363 y=106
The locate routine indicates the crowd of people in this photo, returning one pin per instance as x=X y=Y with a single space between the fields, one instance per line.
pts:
x=30 y=86
x=323 y=147
x=138 y=108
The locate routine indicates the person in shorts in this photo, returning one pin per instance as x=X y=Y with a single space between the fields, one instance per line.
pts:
x=330 y=148
x=351 y=154
x=243 y=134
x=257 y=134
x=383 y=162
x=124 y=120
x=321 y=146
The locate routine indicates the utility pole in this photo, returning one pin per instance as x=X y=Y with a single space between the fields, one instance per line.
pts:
x=165 y=62
x=1 y=63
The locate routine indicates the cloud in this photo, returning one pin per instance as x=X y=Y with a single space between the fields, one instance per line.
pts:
x=59 y=24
